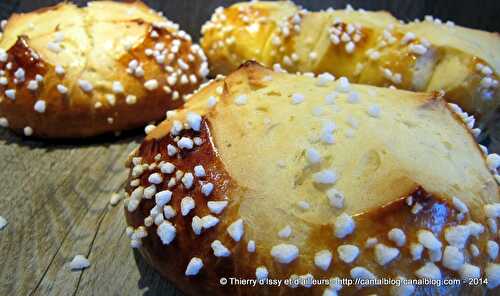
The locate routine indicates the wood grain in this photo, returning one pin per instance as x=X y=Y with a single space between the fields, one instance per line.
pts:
x=56 y=195
x=56 y=199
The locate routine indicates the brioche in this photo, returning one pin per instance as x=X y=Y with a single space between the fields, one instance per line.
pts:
x=70 y=72
x=366 y=47
x=276 y=176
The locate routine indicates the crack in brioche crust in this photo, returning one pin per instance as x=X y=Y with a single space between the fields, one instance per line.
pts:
x=69 y=72
x=366 y=47
x=419 y=201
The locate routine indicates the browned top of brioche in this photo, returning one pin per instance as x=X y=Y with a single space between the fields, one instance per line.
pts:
x=265 y=19
x=312 y=167
x=105 y=67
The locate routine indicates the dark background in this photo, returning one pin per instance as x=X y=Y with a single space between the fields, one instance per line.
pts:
x=191 y=14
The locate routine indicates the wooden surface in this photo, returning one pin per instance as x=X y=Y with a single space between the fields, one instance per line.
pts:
x=56 y=199
x=56 y=195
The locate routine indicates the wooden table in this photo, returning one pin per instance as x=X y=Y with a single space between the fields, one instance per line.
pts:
x=56 y=199
x=55 y=195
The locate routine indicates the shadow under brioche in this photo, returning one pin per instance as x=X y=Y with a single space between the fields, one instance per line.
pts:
x=70 y=72
x=271 y=175
x=366 y=47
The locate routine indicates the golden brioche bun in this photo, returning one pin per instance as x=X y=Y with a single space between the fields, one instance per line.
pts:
x=271 y=175
x=70 y=72
x=367 y=47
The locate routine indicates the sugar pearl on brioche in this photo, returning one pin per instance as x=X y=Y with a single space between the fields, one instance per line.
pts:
x=269 y=213
x=70 y=72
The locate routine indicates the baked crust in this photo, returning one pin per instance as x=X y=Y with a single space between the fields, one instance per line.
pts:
x=366 y=47
x=92 y=70
x=402 y=161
